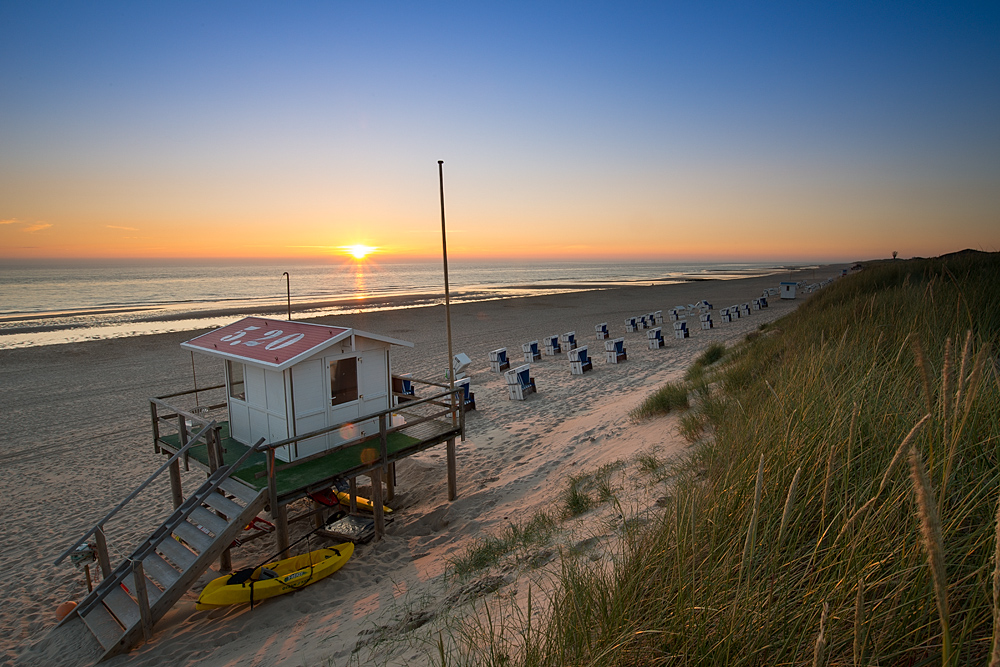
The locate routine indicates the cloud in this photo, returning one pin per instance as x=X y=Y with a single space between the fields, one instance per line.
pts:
x=127 y=229
x=9 y=221
x=37 y=227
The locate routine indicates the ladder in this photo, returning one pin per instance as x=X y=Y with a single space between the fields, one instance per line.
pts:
x=125 y=606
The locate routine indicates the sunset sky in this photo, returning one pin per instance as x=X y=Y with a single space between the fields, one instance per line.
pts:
x=654 y=131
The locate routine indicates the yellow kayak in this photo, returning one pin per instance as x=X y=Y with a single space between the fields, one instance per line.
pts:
x=363 y=503
x=273 y=579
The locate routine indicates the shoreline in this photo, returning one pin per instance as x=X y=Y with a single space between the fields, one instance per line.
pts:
x=188 y=319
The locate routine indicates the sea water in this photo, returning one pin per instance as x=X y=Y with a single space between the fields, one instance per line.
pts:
x=44 y=304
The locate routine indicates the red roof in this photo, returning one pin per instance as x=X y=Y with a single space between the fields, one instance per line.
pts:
x=277 y=344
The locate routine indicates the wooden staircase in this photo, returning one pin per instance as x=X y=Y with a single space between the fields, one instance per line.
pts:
x=125 y=606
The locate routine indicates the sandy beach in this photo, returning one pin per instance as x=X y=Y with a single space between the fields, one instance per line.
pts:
x=76 y=439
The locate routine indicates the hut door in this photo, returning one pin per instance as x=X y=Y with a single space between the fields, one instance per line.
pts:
x=344 y=404
x=373 y=386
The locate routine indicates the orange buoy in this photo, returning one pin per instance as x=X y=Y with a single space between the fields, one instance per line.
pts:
x=63 y=610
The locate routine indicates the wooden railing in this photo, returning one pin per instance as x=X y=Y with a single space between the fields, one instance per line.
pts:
x=97 y=530
x=379 y=465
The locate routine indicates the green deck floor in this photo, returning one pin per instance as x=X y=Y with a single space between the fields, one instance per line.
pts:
x=292 y=480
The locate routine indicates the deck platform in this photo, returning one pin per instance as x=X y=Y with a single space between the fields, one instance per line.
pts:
x=403 y=430
x=319 y=473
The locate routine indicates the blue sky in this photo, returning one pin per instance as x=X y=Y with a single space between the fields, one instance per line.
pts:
x=696 y=130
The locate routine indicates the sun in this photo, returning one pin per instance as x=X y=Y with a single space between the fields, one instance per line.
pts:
x=358 y=251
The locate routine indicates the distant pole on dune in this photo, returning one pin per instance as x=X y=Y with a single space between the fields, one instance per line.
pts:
x=447 y=295
x=288 y=290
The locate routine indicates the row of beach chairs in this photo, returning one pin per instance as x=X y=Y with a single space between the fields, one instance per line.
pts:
x=521 y=384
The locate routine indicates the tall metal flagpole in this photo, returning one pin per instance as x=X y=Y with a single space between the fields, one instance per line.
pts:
x=447 y=296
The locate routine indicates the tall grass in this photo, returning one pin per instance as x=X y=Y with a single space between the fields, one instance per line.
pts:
x=794 y=535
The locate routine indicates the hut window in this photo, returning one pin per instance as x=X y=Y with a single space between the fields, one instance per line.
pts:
x=343 y=381
x=236 y=386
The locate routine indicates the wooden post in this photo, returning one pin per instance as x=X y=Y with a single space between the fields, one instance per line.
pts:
x=213 y=461
x=390 y=482
x=226 y=561
x=278 y=513
x=317 y=514
x=383 y=439
x=102 y=552
x=281 y=529
x=156 y=427
x=353 y=493
x=142 y=597
x=452 y=477
x=376 y=477
x=183 y=432
x=176 y=493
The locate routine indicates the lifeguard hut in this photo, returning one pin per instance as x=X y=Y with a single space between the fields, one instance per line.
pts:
x=306 y=407
x=284 y=378
x=788 y=290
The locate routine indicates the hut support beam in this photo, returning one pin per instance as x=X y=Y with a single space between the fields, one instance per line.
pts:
x=280 y=516
x=176 y=493
x=452 y=479
x=377 y=510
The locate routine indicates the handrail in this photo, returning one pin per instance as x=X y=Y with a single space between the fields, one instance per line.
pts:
x=373 y=415
x=191 y=391
x=418 y=381
x=180 y=512
x=137 y=491
x=177 y=411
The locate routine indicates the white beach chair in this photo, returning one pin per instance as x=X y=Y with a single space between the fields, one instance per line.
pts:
x=468 y=396
x=531 y=351
x=706 y=320
x=658 y=317
x=459 y=363
x=681 y=330
x=552 y=346
x=614 y=351
x=568 y=340
x=745 y=309
x=630 y=324
x=734 y=312
x=520 y=383
x=579 y=362
x=655 y=338
x=602 y=330
x=498 y=360
x=402 y=388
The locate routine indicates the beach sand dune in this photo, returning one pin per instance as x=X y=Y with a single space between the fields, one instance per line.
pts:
x=76 y=440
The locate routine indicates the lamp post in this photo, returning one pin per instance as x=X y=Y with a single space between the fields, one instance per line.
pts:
x=288 y=291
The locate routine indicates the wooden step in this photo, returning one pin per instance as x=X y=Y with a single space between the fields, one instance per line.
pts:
x=239 y=489
x=217 y=501
x=103 y=626
x=208 y=519
x=160 y=570
x=176 y=553
x=193 y=536
x=122 y=606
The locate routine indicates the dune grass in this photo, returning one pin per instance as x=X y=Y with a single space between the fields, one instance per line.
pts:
x=669 y=397
x=844 y=510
